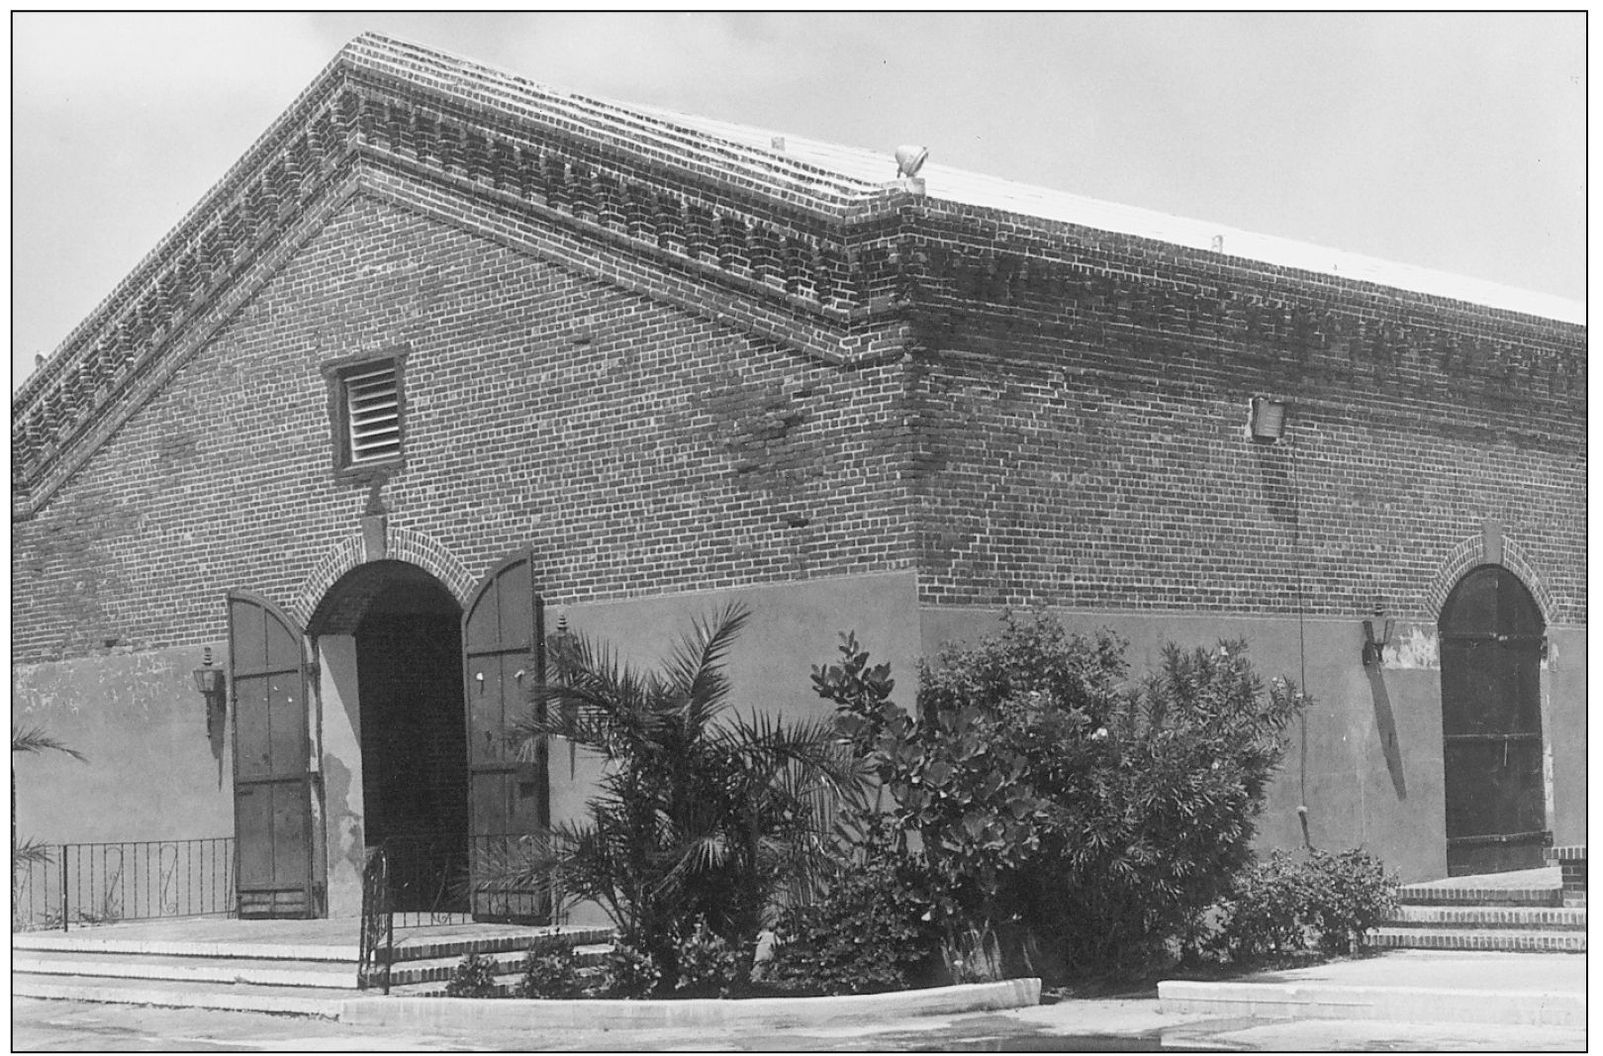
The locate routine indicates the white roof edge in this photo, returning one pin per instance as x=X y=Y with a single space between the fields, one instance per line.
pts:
x=976 y=189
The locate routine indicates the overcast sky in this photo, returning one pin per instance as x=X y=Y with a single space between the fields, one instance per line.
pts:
x=1450 y=141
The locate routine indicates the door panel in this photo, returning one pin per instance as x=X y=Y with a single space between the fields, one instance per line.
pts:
x=503 y=645
x=272 y=757
x=1491 y=655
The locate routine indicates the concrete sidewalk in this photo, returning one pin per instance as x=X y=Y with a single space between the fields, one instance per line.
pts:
x=1419 y=986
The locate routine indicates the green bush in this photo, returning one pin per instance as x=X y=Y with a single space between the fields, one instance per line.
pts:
x=1349 y=894
x=474 y=976
x=551 y=973
x=1265 y=912
x=1280 y=906
x=1049 y=794
x=630 y=972
x=708 y=965
x=872 y=931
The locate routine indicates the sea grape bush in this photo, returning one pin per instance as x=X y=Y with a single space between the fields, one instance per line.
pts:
x=1050 y=793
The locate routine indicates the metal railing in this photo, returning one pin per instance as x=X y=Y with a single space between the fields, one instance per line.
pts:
x=450 y=878
x=99 y=883
x=447 y=878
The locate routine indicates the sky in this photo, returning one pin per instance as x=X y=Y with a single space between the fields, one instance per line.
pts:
x=1449 y=141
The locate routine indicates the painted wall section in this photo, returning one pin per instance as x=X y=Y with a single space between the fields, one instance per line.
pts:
x=152 y=772
x=341 y=767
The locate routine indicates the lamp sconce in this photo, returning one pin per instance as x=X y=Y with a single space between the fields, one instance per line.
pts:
x=212 y=684
x=1373 y=650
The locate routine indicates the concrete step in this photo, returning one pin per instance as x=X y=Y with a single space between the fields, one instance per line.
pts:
x=257 y=972
x=1533 y=918
x=1511 y=940
x=238 y=997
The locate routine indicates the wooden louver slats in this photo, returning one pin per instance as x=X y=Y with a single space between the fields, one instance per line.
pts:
x=373 y=411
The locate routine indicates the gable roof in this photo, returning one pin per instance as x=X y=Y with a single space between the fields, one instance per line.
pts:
x=772 y=221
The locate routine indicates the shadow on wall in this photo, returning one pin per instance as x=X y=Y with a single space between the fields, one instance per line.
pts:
x=1386 y=725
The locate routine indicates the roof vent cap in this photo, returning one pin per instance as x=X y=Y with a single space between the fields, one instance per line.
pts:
x=909 y=159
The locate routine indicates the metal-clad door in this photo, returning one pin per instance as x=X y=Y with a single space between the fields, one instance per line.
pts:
x=503 y=645
x=272 y=756
x=1491 y=655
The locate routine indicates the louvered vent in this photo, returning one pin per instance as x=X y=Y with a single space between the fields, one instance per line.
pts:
x=373 y=411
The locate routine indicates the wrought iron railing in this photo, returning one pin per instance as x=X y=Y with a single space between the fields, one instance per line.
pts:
x=98 y=883
x=448 y=878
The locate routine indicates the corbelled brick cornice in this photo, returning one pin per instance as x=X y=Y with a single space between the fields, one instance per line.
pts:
x=805 y=241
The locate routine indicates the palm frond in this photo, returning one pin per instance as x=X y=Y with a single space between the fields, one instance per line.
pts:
x=34 y=739
x=31 y=852
x=694 y=669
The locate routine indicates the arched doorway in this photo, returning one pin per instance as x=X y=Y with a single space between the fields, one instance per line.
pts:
x=1491 y=634
x=407 y=658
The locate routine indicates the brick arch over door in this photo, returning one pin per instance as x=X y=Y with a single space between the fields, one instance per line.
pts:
x=1472 y=552
x=400 y=544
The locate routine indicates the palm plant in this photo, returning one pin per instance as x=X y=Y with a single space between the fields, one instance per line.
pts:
x=702 y=816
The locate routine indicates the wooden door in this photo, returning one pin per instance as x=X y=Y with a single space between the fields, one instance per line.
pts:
x=1491 y=655
x=503 y=645
x=272 y=755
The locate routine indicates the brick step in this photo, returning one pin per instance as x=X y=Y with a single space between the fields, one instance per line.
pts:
x=416 y=975
x=1512 y=940
x=1530 y=918
x=1433 y=895
x=327 y=975
x=409 y=949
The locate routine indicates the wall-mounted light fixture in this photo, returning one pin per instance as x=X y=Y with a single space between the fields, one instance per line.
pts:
x=1266 y=420
x=212 y=684
x=1374 y=655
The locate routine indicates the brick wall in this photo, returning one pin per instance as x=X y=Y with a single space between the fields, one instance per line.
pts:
x=637 y=447
x=1068 y=426
x=1083 y=401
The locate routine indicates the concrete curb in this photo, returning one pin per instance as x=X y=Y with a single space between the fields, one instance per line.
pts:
x=756 y=1012
x=1409 y=1004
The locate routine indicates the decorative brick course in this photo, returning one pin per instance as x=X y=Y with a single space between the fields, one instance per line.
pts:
x=666 y=364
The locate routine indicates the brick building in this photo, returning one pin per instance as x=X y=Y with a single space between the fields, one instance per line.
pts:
x=448 y=355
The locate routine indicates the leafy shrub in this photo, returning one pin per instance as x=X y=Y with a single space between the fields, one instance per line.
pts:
x=873 y=931
x=1349 y=893
x=474 y=976
x=1265 y=912
x=1277 y=906
x=630 y=972
x=552 y=974
x=1047 y=791
x=708 y=965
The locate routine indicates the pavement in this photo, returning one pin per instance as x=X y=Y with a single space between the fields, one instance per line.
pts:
x=1119 y=1024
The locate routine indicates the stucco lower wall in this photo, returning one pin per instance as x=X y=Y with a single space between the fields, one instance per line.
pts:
x=152 y=772
x=1367 y=762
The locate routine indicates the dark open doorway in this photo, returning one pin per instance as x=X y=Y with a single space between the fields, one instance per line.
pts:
x=406 y=629
x=414 y=745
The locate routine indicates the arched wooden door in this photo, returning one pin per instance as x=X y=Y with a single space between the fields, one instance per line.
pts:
x=503 y=645
x=273 y=830
x=1491 y=655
